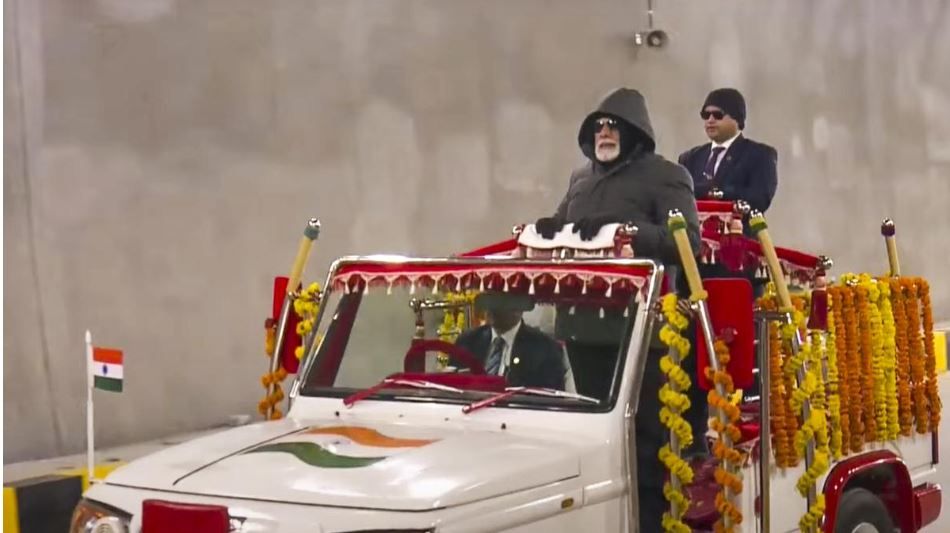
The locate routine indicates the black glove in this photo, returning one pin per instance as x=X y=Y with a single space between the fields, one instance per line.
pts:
x=589 y=226
x=548 y=226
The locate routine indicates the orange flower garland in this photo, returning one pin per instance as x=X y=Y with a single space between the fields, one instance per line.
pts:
x=905 y=402
x=729 y=458
x=782 y=440
x=853 y=361
x=933 y=395
x=836 y=329
x=778 y=398
x=917 y=371
x=866 y=363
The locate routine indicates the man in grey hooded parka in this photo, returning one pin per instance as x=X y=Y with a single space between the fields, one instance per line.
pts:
x=625 y=181
x=635 y=185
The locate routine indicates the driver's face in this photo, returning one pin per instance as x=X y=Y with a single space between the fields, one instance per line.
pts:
x=502 y=321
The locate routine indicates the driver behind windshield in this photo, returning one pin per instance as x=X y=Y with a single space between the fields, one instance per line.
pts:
x=506 y=346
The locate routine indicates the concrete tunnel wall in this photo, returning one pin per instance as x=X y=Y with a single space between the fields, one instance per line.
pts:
x=161 y=159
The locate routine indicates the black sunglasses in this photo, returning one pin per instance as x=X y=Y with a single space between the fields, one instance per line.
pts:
x=604 y=121
x=718 y=115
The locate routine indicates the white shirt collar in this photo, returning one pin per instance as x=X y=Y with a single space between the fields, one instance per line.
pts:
x=727 y=143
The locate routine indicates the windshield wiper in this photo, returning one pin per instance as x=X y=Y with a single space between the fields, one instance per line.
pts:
x=537 y=391
x=400 y=382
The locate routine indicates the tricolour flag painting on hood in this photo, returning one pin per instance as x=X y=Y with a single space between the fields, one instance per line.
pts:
x=107 y=369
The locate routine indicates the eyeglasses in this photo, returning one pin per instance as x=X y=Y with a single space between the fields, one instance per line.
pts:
x=718 y=115
x=604 y=121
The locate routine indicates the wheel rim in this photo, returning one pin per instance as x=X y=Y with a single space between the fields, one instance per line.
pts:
x=864 y=527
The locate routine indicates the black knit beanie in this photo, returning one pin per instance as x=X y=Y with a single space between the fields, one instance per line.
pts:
x=730 y=101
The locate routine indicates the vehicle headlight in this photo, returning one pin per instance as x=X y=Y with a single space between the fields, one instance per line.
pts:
x=95 y=517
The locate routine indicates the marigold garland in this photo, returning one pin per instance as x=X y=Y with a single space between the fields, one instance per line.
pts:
x=917 y=356
x=675 y=403
x=307 y=305
x=781 y=417
x=811 y=388
x=905 y=414
x=852 y=360
x=270 y=401
x=889 y=332
x=933 y=394
x=834 y=386
x=729 y=458
x=879 y=366
x=866 y=362
x=453 y=320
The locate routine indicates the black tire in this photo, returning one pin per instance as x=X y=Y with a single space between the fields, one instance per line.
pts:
x=860 y=506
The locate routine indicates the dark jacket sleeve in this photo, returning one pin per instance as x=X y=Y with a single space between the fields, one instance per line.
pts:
x=469 y=341
x=561 y=213
x=684 y=158
x=761 y=188
x=654 y=238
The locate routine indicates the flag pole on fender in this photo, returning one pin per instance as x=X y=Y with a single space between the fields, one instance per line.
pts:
x=90 y=442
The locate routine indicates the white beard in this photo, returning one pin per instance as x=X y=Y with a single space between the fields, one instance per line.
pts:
x=607 y=152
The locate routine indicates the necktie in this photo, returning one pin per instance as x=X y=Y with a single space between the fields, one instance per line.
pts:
x=493 y=363
x=710 y=169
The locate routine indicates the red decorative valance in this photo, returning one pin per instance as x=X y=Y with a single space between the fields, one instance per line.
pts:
x=575 y=278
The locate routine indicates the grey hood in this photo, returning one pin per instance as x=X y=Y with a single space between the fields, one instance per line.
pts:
x=624 y=104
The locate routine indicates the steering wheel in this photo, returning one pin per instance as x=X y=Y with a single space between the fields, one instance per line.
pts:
x=417 y=352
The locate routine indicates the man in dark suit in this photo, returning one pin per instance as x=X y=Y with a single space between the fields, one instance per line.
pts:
x=508 y=347
x=740 y=168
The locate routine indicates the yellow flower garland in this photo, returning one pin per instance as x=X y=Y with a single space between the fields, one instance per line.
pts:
x=453 y=320
x=889 y=332
x=307 y=305
x=815 y=428
x=675 y=403
x=878 y=363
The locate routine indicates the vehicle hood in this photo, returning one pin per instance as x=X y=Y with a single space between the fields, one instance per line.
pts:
x=368 y=465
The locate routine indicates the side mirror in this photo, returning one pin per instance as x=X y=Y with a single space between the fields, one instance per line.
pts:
x=730 y=303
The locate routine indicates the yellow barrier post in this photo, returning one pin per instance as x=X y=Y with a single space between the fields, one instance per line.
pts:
x=888 y=230
x=677 y=226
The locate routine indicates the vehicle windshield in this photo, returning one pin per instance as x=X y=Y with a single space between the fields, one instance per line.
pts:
x=474 y=334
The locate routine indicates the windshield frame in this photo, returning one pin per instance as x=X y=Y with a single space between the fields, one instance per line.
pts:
x=641 y=326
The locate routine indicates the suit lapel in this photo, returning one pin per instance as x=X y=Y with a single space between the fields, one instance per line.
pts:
x=699 y=164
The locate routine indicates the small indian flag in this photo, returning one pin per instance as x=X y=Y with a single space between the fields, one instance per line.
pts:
x=107 y=369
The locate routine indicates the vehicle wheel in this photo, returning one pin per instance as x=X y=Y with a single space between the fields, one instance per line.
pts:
x=860 y=511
